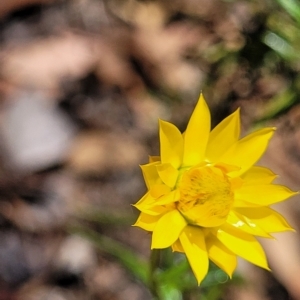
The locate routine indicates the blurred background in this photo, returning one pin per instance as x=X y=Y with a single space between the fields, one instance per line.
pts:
x=82 y=86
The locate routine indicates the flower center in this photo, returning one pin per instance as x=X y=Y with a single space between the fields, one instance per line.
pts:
x=206 y=196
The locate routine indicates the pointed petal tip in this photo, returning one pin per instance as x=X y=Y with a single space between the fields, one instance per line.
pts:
x=292 y=193
x=266 y=266
x=199 y=279
x=160 y=121
x=237 y=111
x=289 y=229
x=272 y=237
x=230 y=275
x=270 y=130
x=197 y=134
x=201 y=97
x=163 y=122
x=267 y=235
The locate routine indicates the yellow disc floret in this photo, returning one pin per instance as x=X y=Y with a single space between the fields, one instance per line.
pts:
x=206 y=196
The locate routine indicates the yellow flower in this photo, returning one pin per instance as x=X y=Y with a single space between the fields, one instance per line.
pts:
x=205 y=198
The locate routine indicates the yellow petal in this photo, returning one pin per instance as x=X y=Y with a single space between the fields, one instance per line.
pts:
x=243 y=245
x=221 y=256
x=264 y=194
x=266 y=218
x=159 y=190
x=247 y=151
x=153 y=158
x=226 y=168
x=193 y=244
x=239 y=221
x=144 y=201
x=146 y=222
x=145 y=205
x=223 y=136
x=150 y=174
x=236 y=183
x=242 y=203
x=167 y=229
x=258 y=175
x=171 y=144
x=196 y=134
x=153 y=210
x=177 y=247
x=207 y=214
x=169 y=198
x=168 y=174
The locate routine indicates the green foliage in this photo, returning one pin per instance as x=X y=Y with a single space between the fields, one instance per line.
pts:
x=292 y=7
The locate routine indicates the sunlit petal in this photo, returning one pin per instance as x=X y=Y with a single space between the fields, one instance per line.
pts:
x=223 y=136
x=239 y=221
x=168 y=174
x=167 y=230
x=159 y=190
x=246 y=152
x=146 y=222
x=145 y=205
x=266 y=218
x=155 y=210
x=150 y=174
x=171 y=144
x=226 y=168
x=221 y=255
x=203 y=215
x=193 y=244
x=236 y=183
x=146 y=199
x=242 y=203
x=258 y=175
x=264 y=195
x=169 y=198
x=196 y=134
x=243 y=245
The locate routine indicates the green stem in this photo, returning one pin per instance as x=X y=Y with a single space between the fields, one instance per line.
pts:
x=154 y=265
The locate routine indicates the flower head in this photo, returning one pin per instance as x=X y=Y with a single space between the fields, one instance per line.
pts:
x=205 y=198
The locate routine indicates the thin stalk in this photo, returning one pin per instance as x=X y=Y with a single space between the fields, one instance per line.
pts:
x=154 y=265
